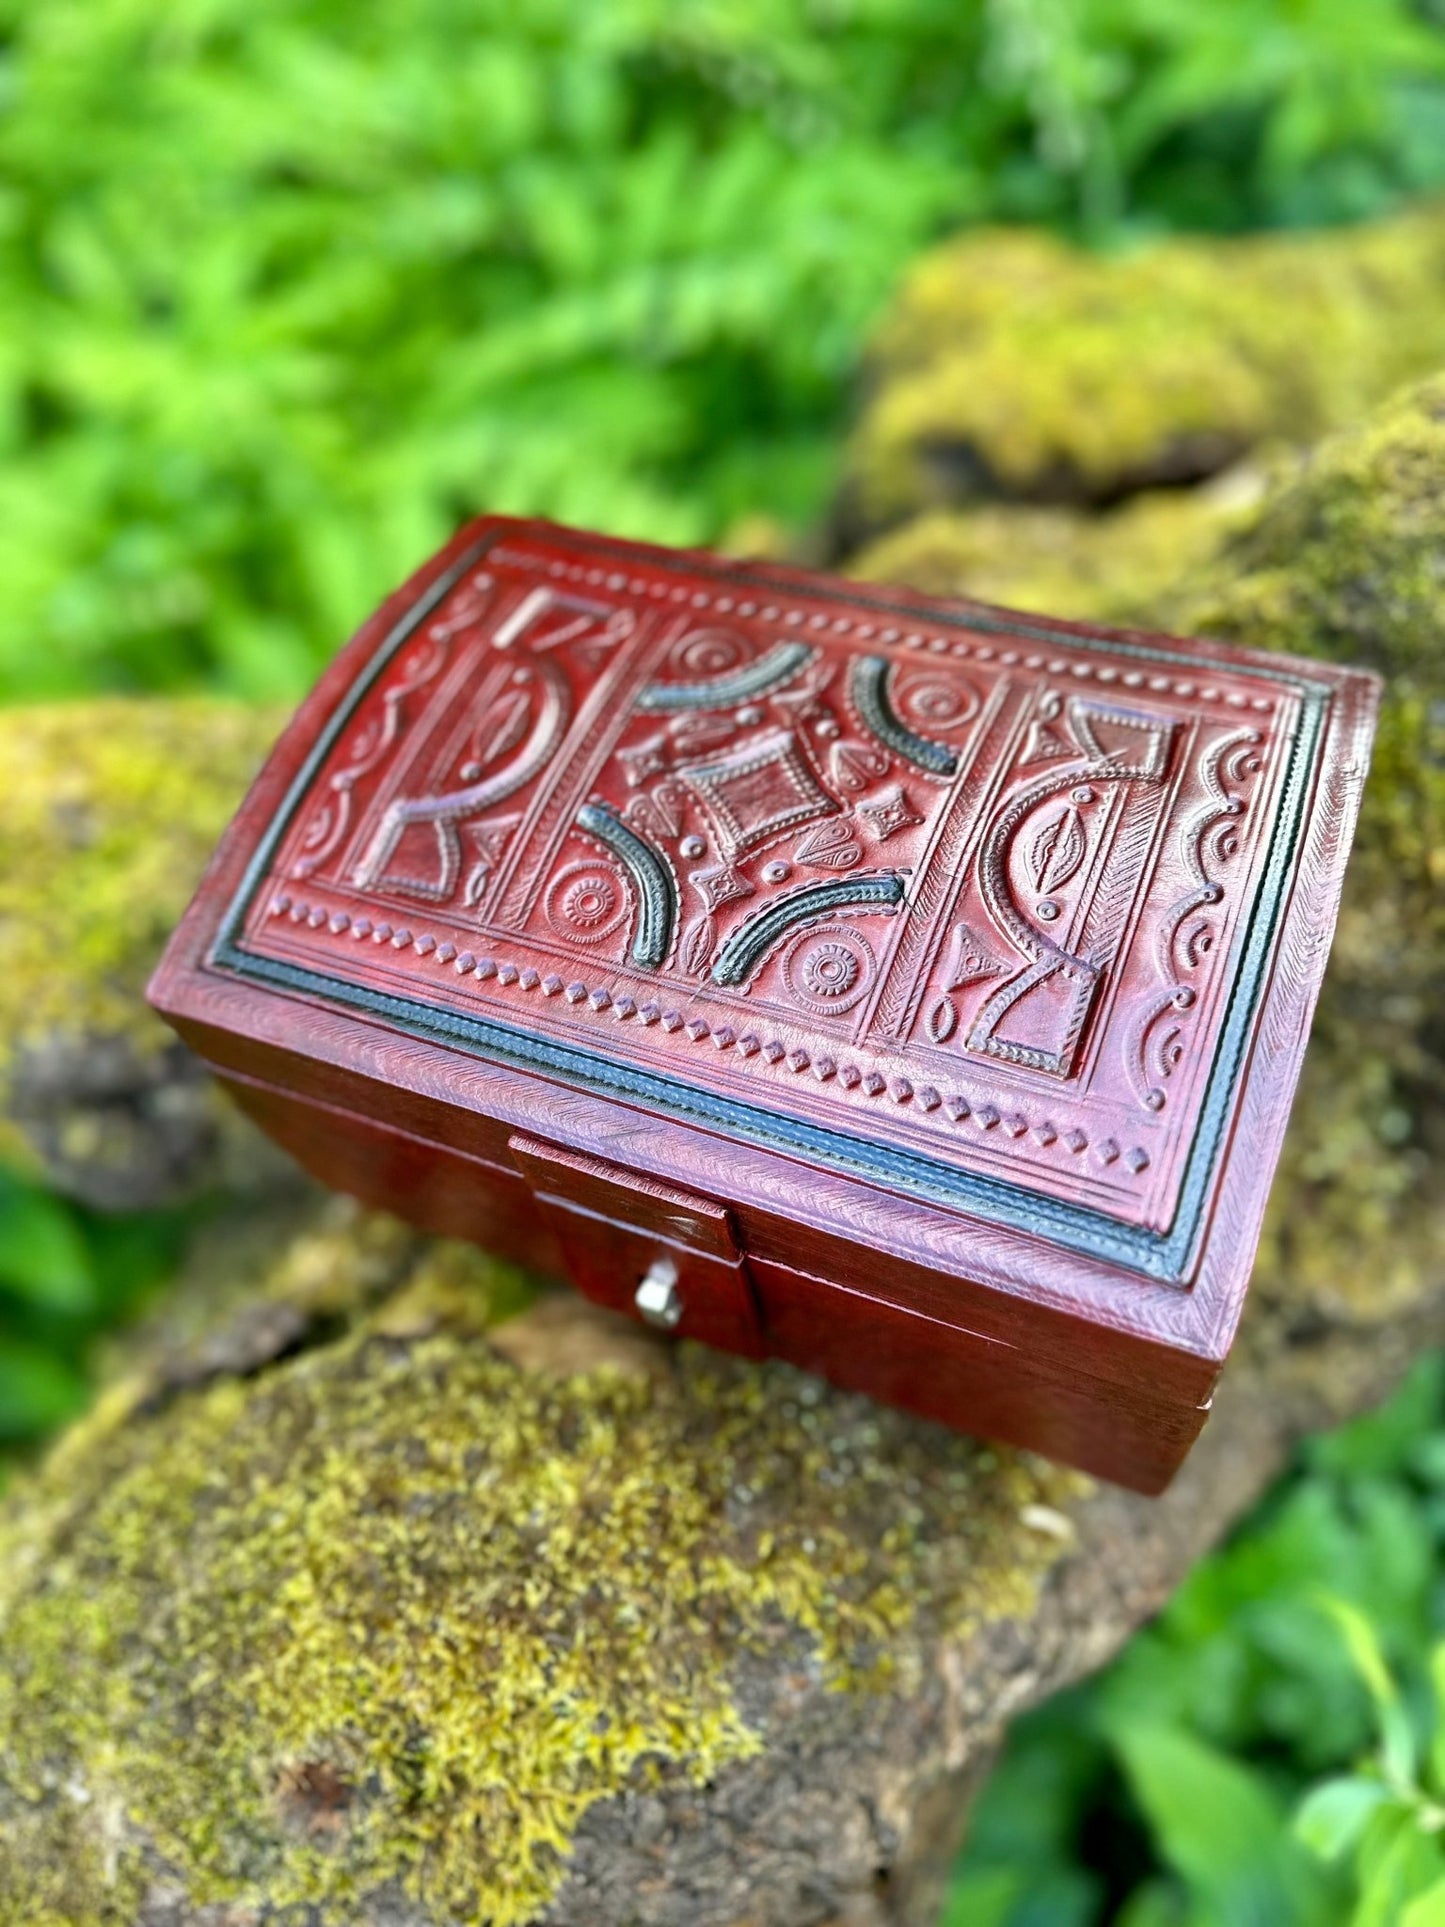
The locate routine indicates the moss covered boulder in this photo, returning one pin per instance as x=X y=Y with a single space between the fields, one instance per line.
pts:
x=1014 y=366
x=1065 y=562
x=374 y=1594
x=108 y=813
x=369 y=1631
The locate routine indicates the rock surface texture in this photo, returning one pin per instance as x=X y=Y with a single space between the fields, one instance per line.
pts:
x=1015 y=367
x=379 y=1589
x=109 y=812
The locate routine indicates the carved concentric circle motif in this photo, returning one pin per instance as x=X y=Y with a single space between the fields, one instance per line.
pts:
x=829 y=969
x=585 y=903
x=708 y=652
x=932 y=702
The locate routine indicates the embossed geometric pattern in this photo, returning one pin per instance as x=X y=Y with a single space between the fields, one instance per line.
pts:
x=993 y=896
x=888 y=813
x=759 y=792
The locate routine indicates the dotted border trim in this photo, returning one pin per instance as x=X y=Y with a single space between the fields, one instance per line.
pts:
x=933 y=644
x=748 y=1044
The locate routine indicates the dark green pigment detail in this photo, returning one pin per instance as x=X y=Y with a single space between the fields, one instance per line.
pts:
x=653 y=881
x=868 y=687
x=754 y=679
x=1075 y=1226
x=749 y=944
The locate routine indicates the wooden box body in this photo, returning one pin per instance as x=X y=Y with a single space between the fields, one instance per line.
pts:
x=916 y=989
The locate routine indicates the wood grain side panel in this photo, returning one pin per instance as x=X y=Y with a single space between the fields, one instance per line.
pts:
x=970 y=1382
x=436 y=1188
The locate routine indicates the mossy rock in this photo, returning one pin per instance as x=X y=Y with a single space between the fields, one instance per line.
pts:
x=1061 y=562
x=379 y=1591
x=364 y=1629
x=1013 y=365
x=108 y=814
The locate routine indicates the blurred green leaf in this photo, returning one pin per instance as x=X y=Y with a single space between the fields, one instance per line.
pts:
x=1158 y=1903
x=1386 y=1440
x=984 y=1899
x=1396 y=1863
x=1332 y=1817
x=43 y=1258
x=284 y=295
x=1397 y=1735
x=66 y=1276
x=37 y=1390
x=1426 y=1909
x=1219 y=1825
x=1023 y=1830
x=1437 y=1739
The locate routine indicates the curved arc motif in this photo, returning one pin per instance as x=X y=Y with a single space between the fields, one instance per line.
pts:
x=1231 y=754
x=779 y=666
x=868 y=678
x=993 y=867
x=651 y=877
x=443 y=812
x=745 y=949
x=327 y=829
x=1049 y=957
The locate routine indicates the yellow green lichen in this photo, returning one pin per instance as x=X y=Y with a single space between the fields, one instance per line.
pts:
x=394 y=1611
x=1015 y=365
x=1346 y=562
x=1063 y=562
x=108 y=813
x=1345 y=558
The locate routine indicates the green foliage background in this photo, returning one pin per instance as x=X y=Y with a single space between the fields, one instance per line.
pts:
x=286 y=291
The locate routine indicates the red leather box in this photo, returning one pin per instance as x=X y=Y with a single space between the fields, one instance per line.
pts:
x=913 y=990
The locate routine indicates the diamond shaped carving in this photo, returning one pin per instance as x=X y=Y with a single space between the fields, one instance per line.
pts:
x=644 y=760
x=720 y=886
x=889 y=813
x=760 y=792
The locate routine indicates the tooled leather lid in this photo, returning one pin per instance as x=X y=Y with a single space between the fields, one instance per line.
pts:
x=985 y=908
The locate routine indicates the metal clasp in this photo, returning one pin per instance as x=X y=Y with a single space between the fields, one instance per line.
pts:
x=658 y=1299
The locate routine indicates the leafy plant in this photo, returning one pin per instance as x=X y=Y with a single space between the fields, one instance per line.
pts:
x=1389 y=1814
x=286 y=293
x=66 y=1275
x=1162 y=1794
